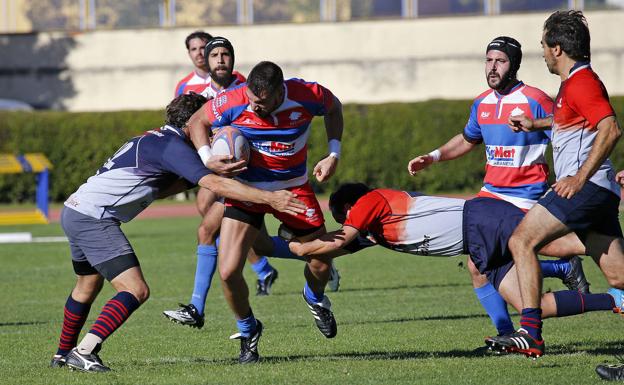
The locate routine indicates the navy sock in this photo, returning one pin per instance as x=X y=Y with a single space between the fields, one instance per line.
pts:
x=312 y=296
x=114 y=314
x=531 y=321
x=556 y=268
x=496 y=308
x=571 y=302
x=247 y=326
x=74 y=316
x=262 y=267
x=281 y=250
x=206 y=266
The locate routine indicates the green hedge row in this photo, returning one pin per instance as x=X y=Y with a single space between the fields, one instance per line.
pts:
x=378 y=142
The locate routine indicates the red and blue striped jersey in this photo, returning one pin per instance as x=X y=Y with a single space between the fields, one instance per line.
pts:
x=278 y=142
x=516 y=168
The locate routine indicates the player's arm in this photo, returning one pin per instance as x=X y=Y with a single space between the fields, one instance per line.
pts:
x=282 y=200
x=178 y=186
x=456 y=147
x=200 y=128
x=326 y=244
x=334 y=124
x=608 y=135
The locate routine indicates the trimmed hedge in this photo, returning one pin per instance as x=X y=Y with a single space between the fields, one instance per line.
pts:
x=378 y=142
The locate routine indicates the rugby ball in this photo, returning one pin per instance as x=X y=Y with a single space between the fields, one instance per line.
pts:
x=230 y=141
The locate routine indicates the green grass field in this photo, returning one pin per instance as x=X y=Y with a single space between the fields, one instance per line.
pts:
x=401 y=319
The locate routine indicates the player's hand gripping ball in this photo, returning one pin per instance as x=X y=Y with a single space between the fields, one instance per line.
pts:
x=230 y=141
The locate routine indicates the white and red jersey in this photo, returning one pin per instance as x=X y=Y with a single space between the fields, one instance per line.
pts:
x=582 y=102
x=410 y=222
x=278 y=142
x=196 y=83
x=516 y=168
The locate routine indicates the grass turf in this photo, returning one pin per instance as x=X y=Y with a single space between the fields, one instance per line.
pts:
x=401 y=319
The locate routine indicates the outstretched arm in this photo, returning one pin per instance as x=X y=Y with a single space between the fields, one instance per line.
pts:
x=334 y=124
x=326 y=244
x=283 y=201
x=457 y=146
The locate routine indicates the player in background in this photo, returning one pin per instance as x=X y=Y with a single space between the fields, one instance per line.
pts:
x=585 y=198
x=199 y=79
x=157 y=164
x=516 y=168
x=425 y=225
x=219 y=57
x=274 y=115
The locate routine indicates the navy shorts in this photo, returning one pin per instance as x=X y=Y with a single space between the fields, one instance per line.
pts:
x=488 y=225
x=93 y=240
x=594 y=208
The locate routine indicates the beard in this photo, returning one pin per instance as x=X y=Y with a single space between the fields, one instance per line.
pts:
x=498 y=82
x=223 y=80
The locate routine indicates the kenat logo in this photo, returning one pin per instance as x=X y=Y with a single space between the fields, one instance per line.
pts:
x=501 y=153
x=277 y=147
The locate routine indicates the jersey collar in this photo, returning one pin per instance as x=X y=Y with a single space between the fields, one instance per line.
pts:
x=579 y=65
x=173 y=129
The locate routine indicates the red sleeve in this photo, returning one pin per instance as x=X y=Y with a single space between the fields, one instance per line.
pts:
x=368 y=210
x=589 y=98
x=313 y=96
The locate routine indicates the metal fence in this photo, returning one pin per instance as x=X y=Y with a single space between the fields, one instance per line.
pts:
x=79 y=15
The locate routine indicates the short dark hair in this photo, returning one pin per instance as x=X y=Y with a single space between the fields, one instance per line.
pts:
x=180 y=110
x=266 y=77
x=197 y=35
x=347 y=193
x=569 y=30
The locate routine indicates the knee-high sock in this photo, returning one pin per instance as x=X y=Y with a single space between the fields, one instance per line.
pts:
x=556 y=268
x=531 y=321
x=312 y=296
x=247 y=326
x=262 y=267
x=114 y=314
x=74 y=316
x=496 y=308
x=572 y=302
x=206 y=266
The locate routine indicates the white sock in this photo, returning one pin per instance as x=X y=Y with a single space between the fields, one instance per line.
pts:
x=88 y=343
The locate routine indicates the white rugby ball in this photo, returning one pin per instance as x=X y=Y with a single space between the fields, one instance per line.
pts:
x=230 y=141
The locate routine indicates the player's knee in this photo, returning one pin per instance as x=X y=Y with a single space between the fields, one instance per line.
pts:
x=141 y=292
x=319 y=265
x=206 y=234
x=229 y=274
x=518 y=244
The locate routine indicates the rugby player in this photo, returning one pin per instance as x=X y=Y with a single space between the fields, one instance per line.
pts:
x=159 y=163
x=274 y=115
x=586 y=196
x=426 y=225
x=516 y=168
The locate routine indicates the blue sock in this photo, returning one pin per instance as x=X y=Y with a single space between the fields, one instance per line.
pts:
x=531 y=321
x=496 y=308
x=247 y=326
x=262 y=267
x=312 y=296
x=572 y=302
x=556 y=268
x=206 y=266
x=281 y=250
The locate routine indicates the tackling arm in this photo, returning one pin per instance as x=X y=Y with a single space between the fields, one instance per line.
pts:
x=283 y=201
x=325 y=244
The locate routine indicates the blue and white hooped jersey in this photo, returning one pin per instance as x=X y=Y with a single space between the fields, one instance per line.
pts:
x=136 y=174
x=516 y=168
x=278 y=142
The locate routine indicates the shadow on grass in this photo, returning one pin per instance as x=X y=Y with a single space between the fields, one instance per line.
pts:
x=5 y=324
x=384 y=288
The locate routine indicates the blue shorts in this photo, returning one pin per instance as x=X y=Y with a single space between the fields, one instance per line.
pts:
x=488 y=225
x=594 y=208
x=93 y=240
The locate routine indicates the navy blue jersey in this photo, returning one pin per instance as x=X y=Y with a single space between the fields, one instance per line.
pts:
x=136 y=174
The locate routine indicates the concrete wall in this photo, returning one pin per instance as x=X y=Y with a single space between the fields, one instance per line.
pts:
x=366 y=62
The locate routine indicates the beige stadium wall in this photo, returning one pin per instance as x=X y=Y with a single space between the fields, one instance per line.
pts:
x=363 y=62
